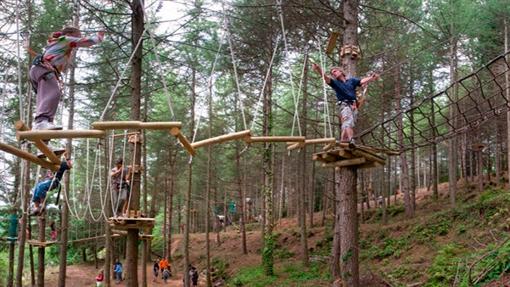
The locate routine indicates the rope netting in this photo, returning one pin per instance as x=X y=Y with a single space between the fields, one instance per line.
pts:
x=462 y=106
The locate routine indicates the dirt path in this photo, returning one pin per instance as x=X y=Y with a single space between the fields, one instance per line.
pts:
x=84 y=276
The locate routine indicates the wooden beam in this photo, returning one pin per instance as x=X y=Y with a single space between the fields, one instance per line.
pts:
x=41 y=243
x=64 y=134
x=332 y=42
x=347 y=162
x=183 y=140
x=222 y=138
x=20 y=126
x=113 y=125
x=28 y=156
x=294 y=146
x=275 y=139
x=81 y=240
x=161 y=125
x=320 y=141
x=370 y=157
x=126 y=125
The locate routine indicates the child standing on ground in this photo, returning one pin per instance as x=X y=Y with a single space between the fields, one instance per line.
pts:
x=100 y=279
x=155 y=269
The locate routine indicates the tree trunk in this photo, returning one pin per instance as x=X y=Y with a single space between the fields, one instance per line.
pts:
x=507 y=85
x=349 y=223
x=337 y=233
x=303 y=182
x=41 y=220
x=347 y=188
x=404 y=169
x=208 y=191
x=137 y=25
x=187 y=199
x=242 y=228
x=452 y=148
x=267 y=166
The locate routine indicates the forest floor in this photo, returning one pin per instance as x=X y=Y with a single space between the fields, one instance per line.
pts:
x=436 y=243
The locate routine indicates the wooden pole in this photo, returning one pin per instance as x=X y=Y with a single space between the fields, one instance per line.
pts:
x=20 y=126
x=125 y=125
x=64 y=134
x=222 y=138
x=183 y=140
x=28 y=156
x=268 y=139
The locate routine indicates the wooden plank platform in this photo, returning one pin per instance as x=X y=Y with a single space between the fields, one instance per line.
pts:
x=38 y=243
x=343 y=154
x=124 y=223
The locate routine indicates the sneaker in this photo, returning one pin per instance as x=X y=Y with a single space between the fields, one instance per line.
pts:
x=45 y=125
x=352 y=143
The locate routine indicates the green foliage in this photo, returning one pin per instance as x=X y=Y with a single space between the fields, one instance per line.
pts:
x=253 y=277
x=219 y=267
x=4 y=261
x=445 y=265
x=267 y=254
x=428 y=231
x=389 y=247
x=283 y=253
x=296 y=273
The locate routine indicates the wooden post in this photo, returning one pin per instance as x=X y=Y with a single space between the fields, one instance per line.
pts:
x=183 y=140
x=20 y=126
x=28 y=156
x=40 y=250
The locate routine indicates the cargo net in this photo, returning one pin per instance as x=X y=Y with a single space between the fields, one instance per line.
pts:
x=481 y=96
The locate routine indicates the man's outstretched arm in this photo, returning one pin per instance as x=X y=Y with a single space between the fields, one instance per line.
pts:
x=319 y=71
x=369 y=79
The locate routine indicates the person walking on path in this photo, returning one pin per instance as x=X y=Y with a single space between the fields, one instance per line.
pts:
x=155 y=269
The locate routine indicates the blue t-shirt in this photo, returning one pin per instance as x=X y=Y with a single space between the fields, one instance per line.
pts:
x=345 y=91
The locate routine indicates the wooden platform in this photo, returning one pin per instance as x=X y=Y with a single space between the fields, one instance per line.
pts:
x=343 y=154
x=125 y=223
x=38 y=243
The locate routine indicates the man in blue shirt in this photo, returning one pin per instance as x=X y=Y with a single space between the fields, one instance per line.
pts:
x=345 y=90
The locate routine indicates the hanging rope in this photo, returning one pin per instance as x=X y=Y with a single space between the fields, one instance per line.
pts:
x=18 y=59
x=327 y=119
x=236 y=76
x=122 y=76
x=268 y=73
x=158 y=63
x=289 y=69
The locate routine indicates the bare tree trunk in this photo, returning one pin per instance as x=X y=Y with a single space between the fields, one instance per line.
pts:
x=337 y=233
x=349 y=223
x=208 y=191
x=25 y=176
x=137 y=24
x=404 y=169
x=187 y=199
x=452 y=148
x=347 y=188
x=41 y=220
x=64 y=224
x=507 y=85
x=303 y=177
x=242 y=228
